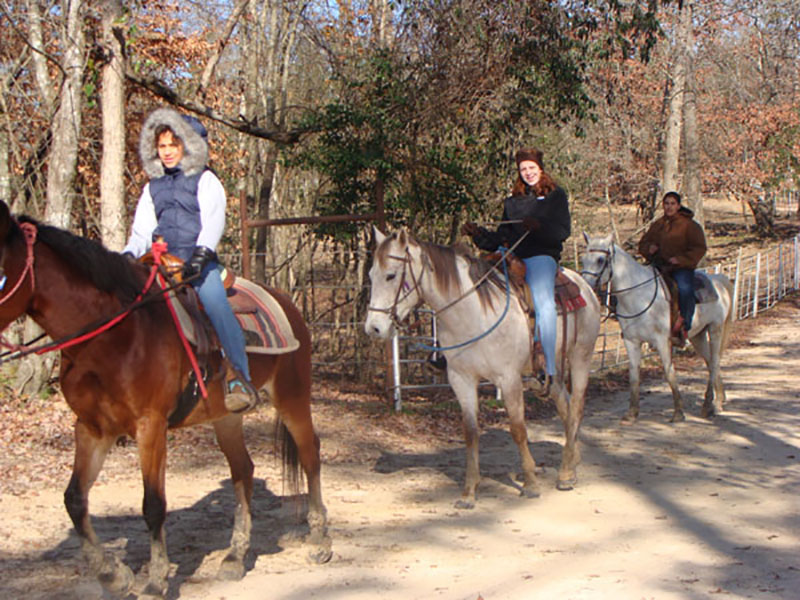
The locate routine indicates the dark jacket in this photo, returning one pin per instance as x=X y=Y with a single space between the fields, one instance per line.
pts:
x=679 y=236
x=552 y=226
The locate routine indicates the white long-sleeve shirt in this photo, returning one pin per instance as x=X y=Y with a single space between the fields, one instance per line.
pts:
x=212 y=200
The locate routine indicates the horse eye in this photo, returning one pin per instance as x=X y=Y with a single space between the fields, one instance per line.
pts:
x=391 y=276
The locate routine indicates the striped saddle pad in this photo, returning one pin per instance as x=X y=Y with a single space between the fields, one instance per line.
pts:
x=265 y=326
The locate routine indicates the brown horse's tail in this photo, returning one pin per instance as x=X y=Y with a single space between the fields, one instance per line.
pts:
x=285 y=445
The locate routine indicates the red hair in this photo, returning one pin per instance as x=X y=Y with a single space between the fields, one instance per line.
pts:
x=544 y=186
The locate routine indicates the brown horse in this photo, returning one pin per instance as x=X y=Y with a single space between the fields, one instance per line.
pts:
x=128 y=381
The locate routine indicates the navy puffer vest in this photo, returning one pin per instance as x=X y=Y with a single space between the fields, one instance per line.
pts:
x=177 y=211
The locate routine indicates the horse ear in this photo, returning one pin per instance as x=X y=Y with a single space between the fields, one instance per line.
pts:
x=5 y=220
x=403 y=238
x=609 y=240
x=585 y=237
x=379 y=237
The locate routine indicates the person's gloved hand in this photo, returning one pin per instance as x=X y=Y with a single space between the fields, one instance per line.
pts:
x=194 y=266
x=531 y=223
x=469 y=229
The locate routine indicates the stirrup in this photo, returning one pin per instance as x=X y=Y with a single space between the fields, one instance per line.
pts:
x=240 y=396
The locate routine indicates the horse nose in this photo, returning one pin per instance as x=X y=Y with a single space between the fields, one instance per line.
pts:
x=373 y=328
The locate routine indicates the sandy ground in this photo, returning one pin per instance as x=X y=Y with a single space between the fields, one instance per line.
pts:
x=694 y=510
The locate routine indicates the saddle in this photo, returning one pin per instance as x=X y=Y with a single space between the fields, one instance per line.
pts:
x=265 y=326
x=704 y=291
x=567 y=293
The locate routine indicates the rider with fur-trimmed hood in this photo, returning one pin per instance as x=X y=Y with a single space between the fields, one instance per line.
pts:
x=184 y=203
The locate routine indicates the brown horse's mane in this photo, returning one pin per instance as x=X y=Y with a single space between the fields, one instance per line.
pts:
x=106 y=270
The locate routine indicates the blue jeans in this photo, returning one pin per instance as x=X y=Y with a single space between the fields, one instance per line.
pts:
x=541 y=278
x=215 y=302
x=684 y=278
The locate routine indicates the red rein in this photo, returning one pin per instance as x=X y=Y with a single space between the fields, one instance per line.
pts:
x=158 y=248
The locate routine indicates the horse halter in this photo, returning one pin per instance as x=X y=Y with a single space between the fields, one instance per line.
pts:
x=29 y=233
x=402 y=287
x=607 y=265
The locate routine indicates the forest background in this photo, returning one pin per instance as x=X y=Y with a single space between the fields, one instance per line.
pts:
x=412 y=108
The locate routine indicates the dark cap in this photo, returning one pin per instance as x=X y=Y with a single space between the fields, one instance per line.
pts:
x=530 y=154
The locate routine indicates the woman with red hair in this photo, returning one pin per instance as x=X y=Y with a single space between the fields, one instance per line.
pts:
x=535 y=222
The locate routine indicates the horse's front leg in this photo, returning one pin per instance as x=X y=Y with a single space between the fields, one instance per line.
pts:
x=90 y=453
x=231 y=441
x=466 y=390
x=151 y=438
x=634 y=350
x=515 y=405
x=664 y=350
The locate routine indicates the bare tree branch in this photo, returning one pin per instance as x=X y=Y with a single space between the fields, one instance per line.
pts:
x=208 y=71
x=162 y=90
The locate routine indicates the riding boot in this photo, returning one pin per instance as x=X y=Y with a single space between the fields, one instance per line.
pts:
x=678 y=333
x=240 y=395
x=545 y=381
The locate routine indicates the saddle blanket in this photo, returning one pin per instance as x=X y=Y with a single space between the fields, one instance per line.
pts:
x=264 y=324
x=704 y=290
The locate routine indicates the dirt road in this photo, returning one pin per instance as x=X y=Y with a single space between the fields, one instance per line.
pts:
x=694 y=510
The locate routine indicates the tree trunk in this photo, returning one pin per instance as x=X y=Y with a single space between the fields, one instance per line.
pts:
x=5 y=174
x=672 y=143
x=66 y=123
x=112 y=164
x=692 y=187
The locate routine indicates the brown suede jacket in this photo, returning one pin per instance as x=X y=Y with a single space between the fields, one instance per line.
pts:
x=679 y=236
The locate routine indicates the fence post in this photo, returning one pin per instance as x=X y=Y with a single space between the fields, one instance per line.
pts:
x=796 y=262
x=398 y=394
x=756 y=284
x=736 y=284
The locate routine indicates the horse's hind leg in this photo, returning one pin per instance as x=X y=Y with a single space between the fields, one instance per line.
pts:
x=90 y=453
x=230 y=438
x=294 y=409
x=513 y=399
x=707 y=344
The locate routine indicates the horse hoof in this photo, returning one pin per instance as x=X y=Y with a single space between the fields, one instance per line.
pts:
x=629 y=419
x=118 y=580
x=465 y=504
x=678 y=417
x=320 y=555
x=566 y=485
x=231 y=570
x=530 y=492
x=153 y=590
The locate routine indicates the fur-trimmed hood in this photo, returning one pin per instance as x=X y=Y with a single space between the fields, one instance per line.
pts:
x=188 y=129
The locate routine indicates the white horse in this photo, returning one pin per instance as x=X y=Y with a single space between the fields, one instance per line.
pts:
x=643 y=311
x=485 y=334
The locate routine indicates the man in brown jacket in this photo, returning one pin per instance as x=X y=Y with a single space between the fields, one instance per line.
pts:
x=675 y=243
